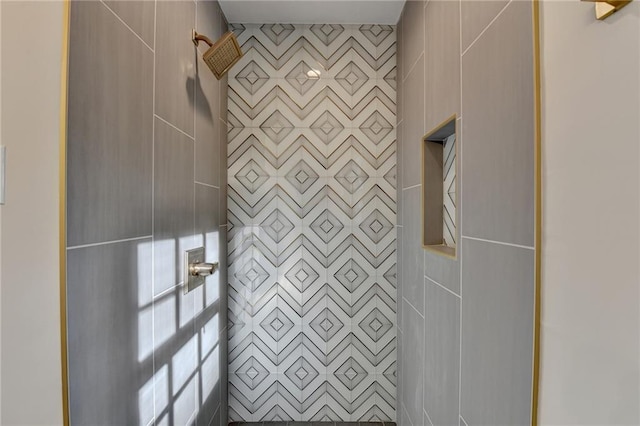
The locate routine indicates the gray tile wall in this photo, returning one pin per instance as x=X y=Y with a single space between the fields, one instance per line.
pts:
x=465 y=327
x=312 y=209
x=146 y=173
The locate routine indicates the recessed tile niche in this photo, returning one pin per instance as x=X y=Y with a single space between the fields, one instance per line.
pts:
x=439 y=189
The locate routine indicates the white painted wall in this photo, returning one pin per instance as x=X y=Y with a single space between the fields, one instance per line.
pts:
x=31 y=388
x=591 y=216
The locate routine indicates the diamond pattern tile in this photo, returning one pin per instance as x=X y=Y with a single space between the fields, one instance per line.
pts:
x=252 y=373
x=302 y=77
x=312 y=260
x=326 y=324
x=376 y=127
x=302 y=275
x=301 y=176
x=326 y=226
x=327 y=127
x=376 y=226
x=351 y=176
x=351 y=78
x=252 y=77
x=277 y=225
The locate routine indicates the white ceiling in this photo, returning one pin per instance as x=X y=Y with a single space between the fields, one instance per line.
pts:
x=312 y=11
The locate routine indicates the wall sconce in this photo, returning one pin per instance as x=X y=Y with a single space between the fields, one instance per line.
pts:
x=606 y=8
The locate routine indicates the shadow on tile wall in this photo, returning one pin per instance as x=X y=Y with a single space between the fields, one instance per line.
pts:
x=142 y=108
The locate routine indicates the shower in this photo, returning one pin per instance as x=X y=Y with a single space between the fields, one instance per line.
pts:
x=222 y=55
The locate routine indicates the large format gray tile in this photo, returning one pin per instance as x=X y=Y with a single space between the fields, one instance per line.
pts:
x=222 y=282
x=497 y=333
x=209 y=21
x=207 y=127
x=399 y=170
x=208 y=236
x=173 y=206
x=224 y=98
x=400 y=276
x=207 y=89
x=209 y=365
x=207 y=213
x=110 y=333
x=442 y=62
x=412 y=34
x=176 y=361
x=413 y=364
x=223 y=171
x=399 y=68
x=175 y=63
x=441 y=354
x=224 y=376
x=476 y=15
x=110 y=121
x=403 y=418
x=498 y=152
x=400 y=365
x=412 y=251
x=413 y=126
x=138 y=15
x=443 y=270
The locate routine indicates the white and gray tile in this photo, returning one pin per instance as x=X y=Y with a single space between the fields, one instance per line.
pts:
x=312 y=203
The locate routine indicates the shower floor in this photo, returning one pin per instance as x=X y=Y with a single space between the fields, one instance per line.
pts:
x=312 y=424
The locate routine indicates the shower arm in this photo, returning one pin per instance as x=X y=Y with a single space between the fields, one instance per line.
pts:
x=197 y=38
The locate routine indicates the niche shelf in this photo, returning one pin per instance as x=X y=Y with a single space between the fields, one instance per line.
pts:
x=439 y=189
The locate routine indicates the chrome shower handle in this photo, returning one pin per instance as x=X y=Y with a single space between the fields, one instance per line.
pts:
x=202 y=269
x=195 y=270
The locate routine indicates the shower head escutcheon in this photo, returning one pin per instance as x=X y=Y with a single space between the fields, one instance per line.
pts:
x=221 y=55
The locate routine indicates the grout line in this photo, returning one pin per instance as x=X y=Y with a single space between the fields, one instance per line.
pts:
x=103 y=243
x=166 y=291
x=427 y=414
x=443 y=287
x=194 y=205
x=166 y=122
x=460 y=53
x=195 y=147
x=206 y=184
x=128 y=27
x=485 y=28
x=411 y=70
x=464 y=237
x=459 y=210
x=414 y=308
x=412 y=186
x=214 y=414
x=153 y=207
x=407 y=413
x=193 y=415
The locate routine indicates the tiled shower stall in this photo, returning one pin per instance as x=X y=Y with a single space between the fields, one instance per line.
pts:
x=301 y=173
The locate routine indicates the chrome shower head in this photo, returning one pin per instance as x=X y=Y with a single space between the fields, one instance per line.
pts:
x=222 y=55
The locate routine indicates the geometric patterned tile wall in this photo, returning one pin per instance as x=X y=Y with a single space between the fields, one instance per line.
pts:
x=312 y=214
x=449 y=191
